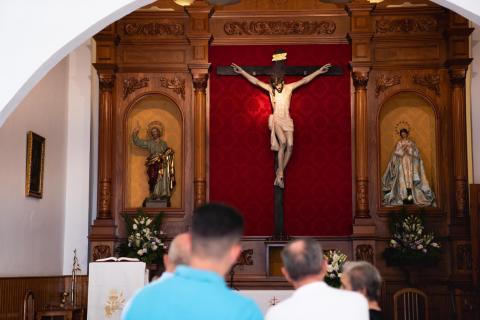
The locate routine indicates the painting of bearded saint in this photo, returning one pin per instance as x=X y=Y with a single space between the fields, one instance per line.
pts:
x=159 y=165
x=404 y=181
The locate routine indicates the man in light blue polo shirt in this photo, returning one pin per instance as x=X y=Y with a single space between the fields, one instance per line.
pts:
x=199 y=291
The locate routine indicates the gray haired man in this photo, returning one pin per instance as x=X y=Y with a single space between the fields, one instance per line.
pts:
x=304 y=267
x=178 y=254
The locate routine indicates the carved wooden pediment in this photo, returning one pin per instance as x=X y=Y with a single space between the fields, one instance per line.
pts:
x=291 y=27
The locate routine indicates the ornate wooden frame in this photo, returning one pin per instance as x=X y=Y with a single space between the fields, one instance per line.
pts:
x=168 y=212
x=34 y=156
x=380 y=209
x=429 y=41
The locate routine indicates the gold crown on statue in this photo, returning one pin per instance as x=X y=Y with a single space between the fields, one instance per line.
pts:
x=403 y=125
x=279 y=56
x=156 y=124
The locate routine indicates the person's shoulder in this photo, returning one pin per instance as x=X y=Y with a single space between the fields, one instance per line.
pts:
x=153 y=288
x=283 y=310
x=240 y=299
x=241 y=307
x=140 y=301
x=352 y=298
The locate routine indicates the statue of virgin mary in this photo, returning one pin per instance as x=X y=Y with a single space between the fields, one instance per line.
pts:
x=404 y=181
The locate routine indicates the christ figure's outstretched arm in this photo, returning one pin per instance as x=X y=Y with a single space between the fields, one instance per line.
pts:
x=310 y=77
x=250 y=78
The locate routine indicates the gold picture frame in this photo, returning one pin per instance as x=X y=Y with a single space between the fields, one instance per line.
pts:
x=35 y=165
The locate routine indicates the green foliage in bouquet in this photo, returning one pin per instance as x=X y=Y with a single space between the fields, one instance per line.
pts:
x=145 y=240
x=335 y=261
x=410 y=245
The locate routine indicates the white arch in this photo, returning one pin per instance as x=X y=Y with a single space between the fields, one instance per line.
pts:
x=36 y=35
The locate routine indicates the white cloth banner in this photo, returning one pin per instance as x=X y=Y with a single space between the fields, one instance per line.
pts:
x=266 y=298
x=111 y=285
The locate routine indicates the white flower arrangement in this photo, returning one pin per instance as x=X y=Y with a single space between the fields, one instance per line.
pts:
x=335 y=261
x=144 y=239
x=409 y=244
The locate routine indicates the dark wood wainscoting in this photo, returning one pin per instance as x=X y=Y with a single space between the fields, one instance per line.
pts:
x=47 y=291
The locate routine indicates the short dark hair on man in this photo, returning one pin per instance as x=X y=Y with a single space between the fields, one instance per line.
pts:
x=302 y=258
x=363 y=275
x=215 y=229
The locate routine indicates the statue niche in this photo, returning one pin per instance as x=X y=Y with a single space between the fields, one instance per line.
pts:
x=407 y=125
x=160 y=165
x=404 y=181
x=154 y=153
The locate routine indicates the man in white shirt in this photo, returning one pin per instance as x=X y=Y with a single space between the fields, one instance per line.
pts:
x=304 y=267
x=178 y=253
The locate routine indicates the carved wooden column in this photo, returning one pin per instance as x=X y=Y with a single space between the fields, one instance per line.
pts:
x=106 y=82
x=199 y=36
x=360 y=37
x=360 y=81
x=457 y=79
x=102 y=236
x=200 y=151
x=103 y=233
x=458 y=45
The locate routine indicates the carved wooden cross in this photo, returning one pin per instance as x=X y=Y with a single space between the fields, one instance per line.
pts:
x=279 y=69
x=287 y=70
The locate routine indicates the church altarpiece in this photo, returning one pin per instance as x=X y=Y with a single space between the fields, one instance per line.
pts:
x=407 y=68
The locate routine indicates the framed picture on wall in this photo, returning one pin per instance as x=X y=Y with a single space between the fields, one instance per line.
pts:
x=35 y=162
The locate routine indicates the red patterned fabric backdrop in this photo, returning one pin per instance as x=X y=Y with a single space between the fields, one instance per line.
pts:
x=318 y=178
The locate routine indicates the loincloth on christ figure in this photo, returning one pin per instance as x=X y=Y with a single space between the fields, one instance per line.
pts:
x=285 y=123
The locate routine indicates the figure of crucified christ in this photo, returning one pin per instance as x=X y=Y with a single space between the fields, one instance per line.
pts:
x=280 y=122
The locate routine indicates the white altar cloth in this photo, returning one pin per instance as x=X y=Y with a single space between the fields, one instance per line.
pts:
x=111 y=285
x=266 y=298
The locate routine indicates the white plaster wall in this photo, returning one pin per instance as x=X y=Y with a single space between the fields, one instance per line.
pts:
x=32 y=230
x=41 y=33
x=78 y=158
x=475 y=103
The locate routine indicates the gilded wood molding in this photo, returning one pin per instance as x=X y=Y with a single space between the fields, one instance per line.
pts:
x=364 y=252
x=407 y=25
x=360 y=79
x=132 y=84
x=105 y=199
x=457 y=76
x=175 y=84
x=200 y=83
x=154 y=29
x=101 y=251
x=362 y=199
x=281 y=28
x=106 y=82
x=245 y=258
x=430 y=81
x=383 y=82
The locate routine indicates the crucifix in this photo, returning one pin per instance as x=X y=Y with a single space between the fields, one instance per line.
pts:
x=274 y=301
x=279 y=122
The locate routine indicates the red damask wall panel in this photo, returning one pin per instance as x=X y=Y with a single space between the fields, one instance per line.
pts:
x=318 y=192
